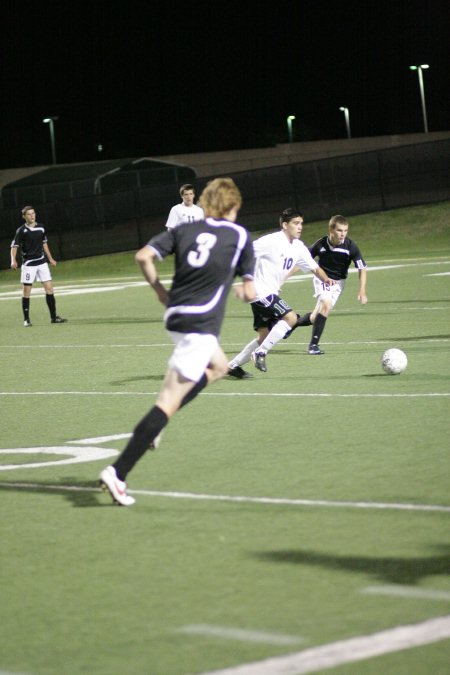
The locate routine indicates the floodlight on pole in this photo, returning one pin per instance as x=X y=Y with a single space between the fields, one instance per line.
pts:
x=289 y=126
x=347 y=120
x=50 y=121
x=419 y=69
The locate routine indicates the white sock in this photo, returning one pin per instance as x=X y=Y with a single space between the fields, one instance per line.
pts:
x=245 y=355
x=276 y=334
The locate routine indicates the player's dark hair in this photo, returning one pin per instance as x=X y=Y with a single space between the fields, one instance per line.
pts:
x=186 y=186
x=27 y=208
x=288 y=214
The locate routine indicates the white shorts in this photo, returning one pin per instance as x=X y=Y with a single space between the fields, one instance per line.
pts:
x=324 y=291
x=30 y=274
x=192 y=354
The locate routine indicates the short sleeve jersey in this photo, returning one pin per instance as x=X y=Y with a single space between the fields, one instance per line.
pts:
x=275 y=258
x=336 y=260
x=208 y=255
x=31 y=241
x=180 y=213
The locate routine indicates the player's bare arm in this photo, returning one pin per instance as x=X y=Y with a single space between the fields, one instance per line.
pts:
x=362 y=297
x=245 y=291
x=14 y=264
x=50 y=258
x=145 y=259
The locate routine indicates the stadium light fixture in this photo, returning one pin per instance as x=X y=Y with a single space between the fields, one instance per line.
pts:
x=289 y=126
x=419 y=69
x=347 y=120
x=50 y=121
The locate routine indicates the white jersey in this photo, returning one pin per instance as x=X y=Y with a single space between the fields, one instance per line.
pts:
x=180 y=213
x=275 y=258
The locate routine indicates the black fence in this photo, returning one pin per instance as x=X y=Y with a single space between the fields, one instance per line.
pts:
x=360 y=183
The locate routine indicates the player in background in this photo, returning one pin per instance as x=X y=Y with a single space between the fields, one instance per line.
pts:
x=32 y=240
x=277 y=255
x=187 y=211
x=208 y=255
x=334 y=252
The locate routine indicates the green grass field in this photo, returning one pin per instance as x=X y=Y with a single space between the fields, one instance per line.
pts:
x=281 y=518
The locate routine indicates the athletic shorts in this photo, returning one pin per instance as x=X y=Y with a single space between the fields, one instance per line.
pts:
x=268 y=311
x=323 y=291
x=30 y=274
x=192 y=354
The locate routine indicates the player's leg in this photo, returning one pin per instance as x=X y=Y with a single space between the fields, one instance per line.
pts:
x=327 y=296
x=44 y=275
x=194 y=359
x=27 y=277
x=303 y=320
x=235 y=365
x=283 y=318
x=261 y=323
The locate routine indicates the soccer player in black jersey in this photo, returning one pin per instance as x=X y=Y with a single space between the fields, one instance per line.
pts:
x=208 y=255
x=32 y=241
x=334 y=252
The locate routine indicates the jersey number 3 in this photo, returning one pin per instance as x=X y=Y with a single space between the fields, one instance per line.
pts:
x=205 y=242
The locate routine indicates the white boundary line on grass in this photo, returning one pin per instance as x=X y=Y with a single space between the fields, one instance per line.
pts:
x=240 y=499
x=127 y=282
x=398 y=591
x=347 y=651
x=228 y=393
x=158 y=345
x=244 y=635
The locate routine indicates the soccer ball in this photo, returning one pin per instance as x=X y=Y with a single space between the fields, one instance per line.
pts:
x=394 y=361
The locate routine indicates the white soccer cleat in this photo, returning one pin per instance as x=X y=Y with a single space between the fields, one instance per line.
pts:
x=116 y=488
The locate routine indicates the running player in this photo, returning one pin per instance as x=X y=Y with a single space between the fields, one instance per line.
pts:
x=208 y=255
x=277 y=255
x=335 y=252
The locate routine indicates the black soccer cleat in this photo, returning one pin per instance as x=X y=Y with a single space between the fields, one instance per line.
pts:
x=27 y=323
x=259 y=359
x=58 y=319
x=239 y=373
x=315 y=350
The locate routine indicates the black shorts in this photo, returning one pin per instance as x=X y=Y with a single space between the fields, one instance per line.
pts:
x=267 y=312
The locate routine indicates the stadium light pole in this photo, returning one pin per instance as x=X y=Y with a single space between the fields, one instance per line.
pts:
x=289 y=126
x=50 y=121
x=419 y=69
x=347 y=120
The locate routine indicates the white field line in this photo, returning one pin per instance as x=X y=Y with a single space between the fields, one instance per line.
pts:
x=412 y=592
x=242 y=499
x=231 y=393
x=347 y=651
x=130 y=282
x=438 y=274
x=158 y=345
x=225 y=633
x=99 y=439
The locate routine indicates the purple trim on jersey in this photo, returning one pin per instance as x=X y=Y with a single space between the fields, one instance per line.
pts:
x=195 y=309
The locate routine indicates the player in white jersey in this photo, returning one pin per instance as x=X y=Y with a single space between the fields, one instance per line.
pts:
x=187 y=211
x=277 y=256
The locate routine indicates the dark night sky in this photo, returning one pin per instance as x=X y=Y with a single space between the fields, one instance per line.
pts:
x=154 y=78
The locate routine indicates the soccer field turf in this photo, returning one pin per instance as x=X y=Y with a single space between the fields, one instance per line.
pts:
x=297 y=521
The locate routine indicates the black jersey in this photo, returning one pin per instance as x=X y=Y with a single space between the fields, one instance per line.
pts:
x=31 y=241
x=208 y=255
x=335 y=260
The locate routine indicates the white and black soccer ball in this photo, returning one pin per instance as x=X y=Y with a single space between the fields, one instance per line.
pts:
x=394 y=361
